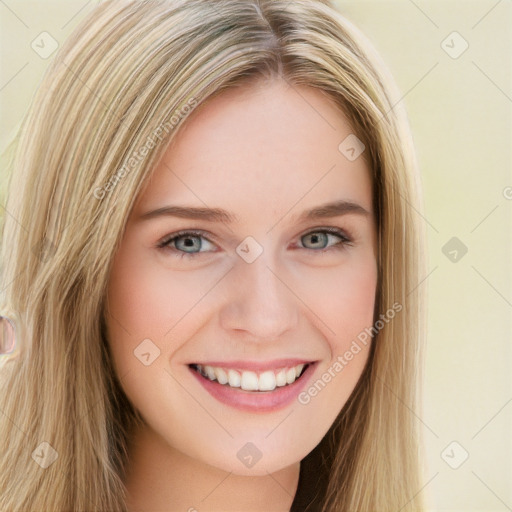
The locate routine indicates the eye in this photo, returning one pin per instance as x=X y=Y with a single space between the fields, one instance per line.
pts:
x=188 y=244
x=184 y=243
x=320 y=237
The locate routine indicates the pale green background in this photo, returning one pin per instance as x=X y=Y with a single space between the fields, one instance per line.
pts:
x=460 y=112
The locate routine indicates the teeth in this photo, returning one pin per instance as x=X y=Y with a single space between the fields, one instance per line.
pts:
x=210 y=372
x=221 y=375
x=251 y=381
x=267 y=381
x=234 y=379
x=281 y=379
x=290 y=375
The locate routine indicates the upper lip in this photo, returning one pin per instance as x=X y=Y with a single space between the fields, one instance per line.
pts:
x=275 y=364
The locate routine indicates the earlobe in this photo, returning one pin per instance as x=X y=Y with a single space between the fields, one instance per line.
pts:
x=7 y=336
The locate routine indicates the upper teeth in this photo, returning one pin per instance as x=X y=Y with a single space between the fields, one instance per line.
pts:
x=252 y=381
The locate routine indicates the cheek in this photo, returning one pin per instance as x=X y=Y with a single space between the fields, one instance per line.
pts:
x=343 y=301
x=146 y=299
x=354 y=301
x=138 y=299
x=352 y=314
x=342 y=298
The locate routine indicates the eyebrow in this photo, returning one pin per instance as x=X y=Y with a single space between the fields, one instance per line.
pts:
x=327 y=210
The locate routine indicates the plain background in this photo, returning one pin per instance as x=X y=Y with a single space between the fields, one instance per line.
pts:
x=460 y=109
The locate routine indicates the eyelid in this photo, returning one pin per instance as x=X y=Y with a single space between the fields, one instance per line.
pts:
x=163 y=243
x=199 y=232
x=342 y=233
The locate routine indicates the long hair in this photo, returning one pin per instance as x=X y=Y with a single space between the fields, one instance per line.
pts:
x=127 y=78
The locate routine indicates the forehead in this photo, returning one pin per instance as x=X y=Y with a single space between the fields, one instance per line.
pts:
x=267 y=145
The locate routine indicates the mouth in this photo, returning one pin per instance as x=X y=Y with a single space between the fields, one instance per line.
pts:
x=252 y=381
x=255 y=387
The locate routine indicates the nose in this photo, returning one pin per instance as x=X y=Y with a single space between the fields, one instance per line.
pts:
x=260 y=301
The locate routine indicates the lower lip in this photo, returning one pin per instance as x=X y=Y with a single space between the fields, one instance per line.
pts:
x=256 y=401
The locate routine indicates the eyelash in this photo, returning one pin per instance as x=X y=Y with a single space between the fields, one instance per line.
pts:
x=164 y=245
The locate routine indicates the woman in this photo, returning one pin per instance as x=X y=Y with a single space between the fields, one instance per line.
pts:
x=264 y=372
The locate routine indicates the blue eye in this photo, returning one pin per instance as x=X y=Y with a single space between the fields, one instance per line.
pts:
x=190 y=247
x=323 y=239
x=187 y=244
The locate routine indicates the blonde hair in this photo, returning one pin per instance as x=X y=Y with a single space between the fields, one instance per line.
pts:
x=126 y=74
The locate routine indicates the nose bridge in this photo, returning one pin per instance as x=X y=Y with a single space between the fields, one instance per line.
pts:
x=259 y=301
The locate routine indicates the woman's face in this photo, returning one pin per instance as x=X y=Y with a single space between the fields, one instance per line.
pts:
x=261 y=289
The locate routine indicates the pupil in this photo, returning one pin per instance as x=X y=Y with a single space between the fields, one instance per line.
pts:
x=315 y=238
x=189 y=242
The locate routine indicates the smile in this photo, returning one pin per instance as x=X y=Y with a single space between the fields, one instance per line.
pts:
x=249 y=380
x=262 y=391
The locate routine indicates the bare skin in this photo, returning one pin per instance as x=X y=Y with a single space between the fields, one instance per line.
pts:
x=265 y=153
